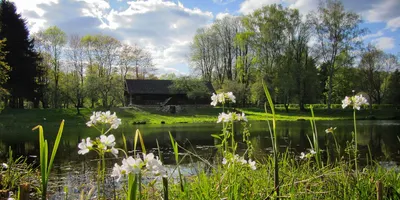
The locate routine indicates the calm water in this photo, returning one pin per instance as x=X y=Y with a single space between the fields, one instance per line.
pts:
x=381 y=136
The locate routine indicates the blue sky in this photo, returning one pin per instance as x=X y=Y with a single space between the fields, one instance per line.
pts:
x=166 y=27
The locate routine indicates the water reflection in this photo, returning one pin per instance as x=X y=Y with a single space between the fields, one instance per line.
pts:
x=380 y=136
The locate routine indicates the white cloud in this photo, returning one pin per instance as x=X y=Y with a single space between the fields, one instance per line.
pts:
x=373 y=35
x=248 y=6
x=381 y=11
x=165 y=28
x=384 y=43
x=223 y=2
x=393 y=24
x=222 y=15
x=304 y=6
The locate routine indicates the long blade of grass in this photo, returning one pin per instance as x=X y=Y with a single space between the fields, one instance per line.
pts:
x=55 y=148
x=275 y=142
x=138 y=135
x=124 y=141
x=132 y=186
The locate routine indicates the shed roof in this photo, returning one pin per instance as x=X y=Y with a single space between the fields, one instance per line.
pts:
x=154 y=87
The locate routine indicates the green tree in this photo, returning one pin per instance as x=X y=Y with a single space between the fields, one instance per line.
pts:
x=194 y=88
x=4 y=69
x=21 y=56
x=53 y=41
x=393 y=96
x=371 y=67
x=337 y=32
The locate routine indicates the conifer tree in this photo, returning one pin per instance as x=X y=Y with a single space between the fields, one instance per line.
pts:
x=20 y=56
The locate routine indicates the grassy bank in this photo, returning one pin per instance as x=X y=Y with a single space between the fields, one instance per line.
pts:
x=32 y=117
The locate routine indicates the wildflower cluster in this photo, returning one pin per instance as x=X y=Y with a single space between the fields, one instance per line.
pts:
x=357 y=101
x=308 y=155
x=104 y=118
x=231 y=116
x=237 y=159
x=149 y=163
x=222 y=98
x=104 y=143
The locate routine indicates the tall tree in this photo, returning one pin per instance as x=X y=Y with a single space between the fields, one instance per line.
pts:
x=76 y=55
x=21 y=58
x=337 y=31
x=4 y=69
x=371 y=67
x=103 y=53
x=53 y=41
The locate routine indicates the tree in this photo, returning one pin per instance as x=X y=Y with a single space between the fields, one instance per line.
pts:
x=76 y=55
x=393 y=96
x=371 y=67
x=21 y=56
x=194 y=88
x=337 y=32
x=4 y=69
x=53 y=40
x=200 y=57
x=102 y=52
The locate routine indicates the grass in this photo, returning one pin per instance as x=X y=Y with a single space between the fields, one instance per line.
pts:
x=29 y=118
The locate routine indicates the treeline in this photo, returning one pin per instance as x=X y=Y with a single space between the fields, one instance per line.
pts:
x=318 y=58
x=55 y=70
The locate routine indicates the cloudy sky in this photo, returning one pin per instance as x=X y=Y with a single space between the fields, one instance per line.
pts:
x=166 y=27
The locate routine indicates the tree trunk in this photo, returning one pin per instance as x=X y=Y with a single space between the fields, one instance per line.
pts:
x=330 y=90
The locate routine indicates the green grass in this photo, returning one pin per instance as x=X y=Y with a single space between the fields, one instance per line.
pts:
x=30 y=118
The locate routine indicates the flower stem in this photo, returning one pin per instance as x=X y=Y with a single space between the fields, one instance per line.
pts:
x=355 y=142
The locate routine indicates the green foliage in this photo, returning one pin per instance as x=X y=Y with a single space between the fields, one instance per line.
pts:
x=194 y=88
x=393 y=88
x=20 y=56
x=46 y=165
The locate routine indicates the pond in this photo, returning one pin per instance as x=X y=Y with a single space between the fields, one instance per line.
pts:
x=380 y=137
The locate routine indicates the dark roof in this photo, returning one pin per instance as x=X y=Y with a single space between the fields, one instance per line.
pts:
x=154 y=86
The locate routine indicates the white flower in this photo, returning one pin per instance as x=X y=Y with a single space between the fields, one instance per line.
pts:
x=346 y=102
x=107 y=141
x=114 y=151
x=312 y=151
x=131 y=165
x=224 y=161
x=231 y=97
x=302 y=155
x=359 y=101
x=85 y=146
x=241 y=117
x=243 y=161
x=214 y=99
x=116 y=122
x=104 y=118
x=117 y=171
x=5 y=166
x=154 y=165
x=224 y=117
x=221 y=98
x=252 y=164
